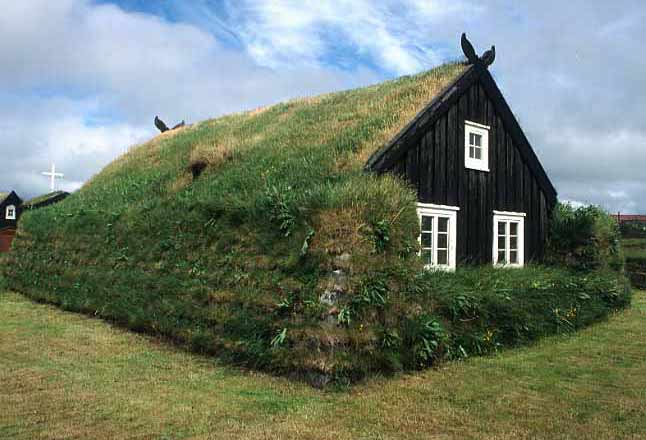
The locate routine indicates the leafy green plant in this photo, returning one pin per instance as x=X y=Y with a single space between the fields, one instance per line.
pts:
x=424 y=337
x=381 y=235
x=584 y=238
x=390 y=339
x=280 y=209
x=345 y=316
x=464 y=307
x=306 y=242
x=280 y=338
x=372 y=292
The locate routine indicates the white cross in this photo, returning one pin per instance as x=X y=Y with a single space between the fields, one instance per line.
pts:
x=52 y=176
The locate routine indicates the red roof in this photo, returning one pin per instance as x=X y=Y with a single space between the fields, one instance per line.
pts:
x=631 y=218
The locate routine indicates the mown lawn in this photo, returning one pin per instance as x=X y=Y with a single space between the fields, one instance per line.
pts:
x=67 y=376
x=634 y=247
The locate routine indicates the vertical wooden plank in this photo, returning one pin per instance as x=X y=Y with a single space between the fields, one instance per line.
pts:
x=483 y=227
x=519 y=179
x=439 y=190
x=451 y=152
x=471 y=190
x=491 y=178
x=426 y=167
x=501 y=165
x=412 y=167
x=469 y=215
x=530 y=215
x=511 y=190
x=473 y=104
x=399 y=170
x=544 y=224
x=422 y=192
x=462 y=184
x=482 y=104
x=539 y=220
x=474 y=219
x=437 y=158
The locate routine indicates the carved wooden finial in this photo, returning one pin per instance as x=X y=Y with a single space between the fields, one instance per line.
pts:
x=488 y=57
x=485 y=60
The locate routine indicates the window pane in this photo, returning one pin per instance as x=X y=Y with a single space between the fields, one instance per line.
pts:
x=513 y=243
x=426 y=256
x=501 y=228
x=442 y=241
x=478 y=153
x=513 y=257
x=443 y=257
x=427 y=240
x=442 y=224
x=513 y=228
x=501 y=242
x=501 y=257
x=475 y=139
x=427 y=223
x=472 y=152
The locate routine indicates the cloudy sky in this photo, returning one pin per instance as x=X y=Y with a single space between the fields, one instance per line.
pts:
x=81 y=80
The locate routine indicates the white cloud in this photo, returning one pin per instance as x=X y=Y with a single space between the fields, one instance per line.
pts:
x=392 y=33
x=88 y=79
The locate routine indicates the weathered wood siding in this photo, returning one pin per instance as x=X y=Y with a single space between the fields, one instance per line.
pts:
x=6 y=238
x=435 y=167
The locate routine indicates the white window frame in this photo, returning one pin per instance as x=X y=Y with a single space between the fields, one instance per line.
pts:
x=481 y=164
x=9 y=216
x=435 y=211
x=509 y=217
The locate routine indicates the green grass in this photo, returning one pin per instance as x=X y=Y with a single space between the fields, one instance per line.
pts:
x=42 y=198
x=67 y=376
x=634 y=247
x=204 y=261
x=635 y=251
x=233 y=262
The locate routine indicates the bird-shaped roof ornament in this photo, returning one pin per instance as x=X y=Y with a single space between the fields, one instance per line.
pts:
x=161 y=126
x=485 y=60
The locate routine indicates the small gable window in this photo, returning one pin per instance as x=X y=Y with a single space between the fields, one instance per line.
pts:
x=476 y=146
x=10 y=213
x=438 y=235
x=508 y=239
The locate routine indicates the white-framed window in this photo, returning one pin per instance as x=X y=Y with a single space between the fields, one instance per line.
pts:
x=10 y=212
x=476 y=146
x=508 y=239
x=438 y=226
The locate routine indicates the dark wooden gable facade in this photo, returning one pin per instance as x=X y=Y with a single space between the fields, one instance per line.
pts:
x=11 y=199
x=8 y=226
x=430 y=154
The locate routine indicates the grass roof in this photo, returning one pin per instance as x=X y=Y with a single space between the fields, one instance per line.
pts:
x=43 y=198
x=3 y=195
x=356 y=121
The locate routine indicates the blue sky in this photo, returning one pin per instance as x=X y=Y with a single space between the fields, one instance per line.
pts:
x=82 y=80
